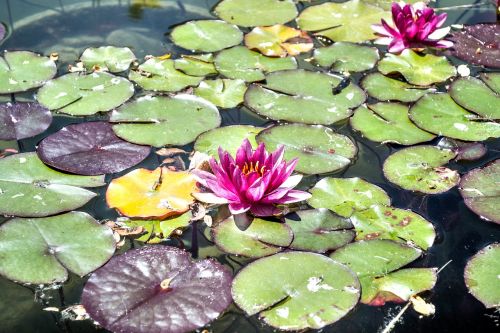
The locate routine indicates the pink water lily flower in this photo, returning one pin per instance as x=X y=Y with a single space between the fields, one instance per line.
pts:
x=414 y=27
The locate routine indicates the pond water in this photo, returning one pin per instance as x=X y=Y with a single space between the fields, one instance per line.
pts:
x=68 y=27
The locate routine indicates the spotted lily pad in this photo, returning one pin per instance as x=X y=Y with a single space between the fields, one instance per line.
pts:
x=347 y=57
x=388 y=122
x=225 y=93
x=182 y=294
x=384 y=88
x=319 y=230
x=421 y=70
x=160 y=121
x=278 y=41
x=115 y=59
x=319 y=149
x=29 y=188
x=23 y=70
x=43 y=250
x=23 y=120
x=305 y=97
x=256 y=12
x=421 y=169
x=241 y=63
x=345 y=196
x=90 y=149
x=156 y=231
x=474 y=95
x=480 y=191
x=278 y=288
x=478 y=44
x=84 y=95
x=196 y=64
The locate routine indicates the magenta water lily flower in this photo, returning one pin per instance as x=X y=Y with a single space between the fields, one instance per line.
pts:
x=414 y=27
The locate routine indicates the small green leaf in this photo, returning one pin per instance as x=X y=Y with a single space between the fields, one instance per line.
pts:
x=474 y=95
x=347 y=57
x=196 y=65
x=256 y=12
x=157 y=231
x=384 y=88
x=224 y=93
x=115 y=59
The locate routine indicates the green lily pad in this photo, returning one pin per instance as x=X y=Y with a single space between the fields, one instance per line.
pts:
x=43 y=250
x=388 y=122
x=23 y=70
x=157 y=231
x=474 y=95
x=84 y=95
x=241 y=63
x=345 y=196
x=29 y=188
x=384 y=222
x=439 y=114
x=161 y=75
x=304 y=97
x=421 y=70
x=319 y=230
x=296 y=290
x=160 y=121
x=196 y=65
x=481 y=275
x=115 y=59
x=492 y=80
x=206 y=35
x=319 y=149
x=347 y=57
x=384 y=88
x=256 y=12
x=224 y=93
x=421 y=169
x=342 y=22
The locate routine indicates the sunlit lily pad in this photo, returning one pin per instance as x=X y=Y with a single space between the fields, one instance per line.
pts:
x=319 y=149
x=225 y=93
x=23 y=120
x=84 y=95
x=163 y=281
x=481 y=275
x=29 y=188
x=388 y=122
x=347 y=22
x=481 y=193
x=386 y=4
x=305 y=97
x=474 y=95
x=478 y=44
x=43 y=250
x=319 y=230
x=422 y=169
x=466 y=151
x=196 y=64
x=345 y=196
x=90 y=149
x=347 y=57
x=23 y=70
x=160 y=121
x=156 y=231
x=421 y=70
x=492 y=80
x=206 y=35
x=256 y=12
x=115 y=59
x=278 y=41
x=296 y=290
x=384 y=88
x=241 y=63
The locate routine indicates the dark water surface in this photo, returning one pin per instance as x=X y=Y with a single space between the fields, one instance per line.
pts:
x=68 y=27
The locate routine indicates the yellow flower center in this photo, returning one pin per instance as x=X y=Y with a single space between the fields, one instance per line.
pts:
x=248 y=168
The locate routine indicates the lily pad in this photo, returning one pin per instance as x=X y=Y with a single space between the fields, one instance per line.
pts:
x=421 y=169
x=480 y=191
x=157 y=231
x=23 y=70
x=384 y=88
x=481 y=275
x=29 y=188
x=115 y=59
x=85 y=95
x=388 y=122
x=345 y=196
x=43 y=250
x=474 y=95
x=386 y=4
x=278 y=41
x=241 y=63
x=319 y=149
x=256 y=12
x=206 y=35
x=478 y=44
x=439 y=114
x=196 y=64
x=421 y=70
x=3 y=31
x=224 y=93
x=278 y=288
x=347 y=57
x=305 y=97
x=342 y=22
x=182 y=294
x=492 y=80
x=160 y=121
x=319 y=230
x=466 y=151
x=23 y=120
x=90 y=149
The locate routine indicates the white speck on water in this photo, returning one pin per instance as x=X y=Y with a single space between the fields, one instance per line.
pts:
x=22 y=160
x=283 y=312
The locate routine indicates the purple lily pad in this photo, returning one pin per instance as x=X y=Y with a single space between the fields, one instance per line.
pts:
x=23 y=120
x=90 y=149
x=3 y=31
x=157 y=289
x=466 y=151
x=478 y=44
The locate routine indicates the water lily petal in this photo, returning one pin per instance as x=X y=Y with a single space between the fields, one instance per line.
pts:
x=264 y=210
x=439 y=33
x=210 y=198
x=239 y=208
x=295 y=196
